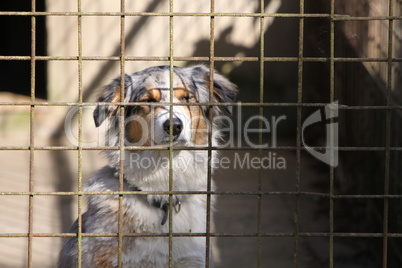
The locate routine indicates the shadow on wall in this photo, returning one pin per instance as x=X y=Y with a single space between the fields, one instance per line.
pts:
x=280 y=78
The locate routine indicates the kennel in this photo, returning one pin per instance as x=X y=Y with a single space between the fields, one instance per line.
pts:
x=290 y=58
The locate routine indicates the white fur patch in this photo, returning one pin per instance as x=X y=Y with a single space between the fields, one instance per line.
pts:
x=166 y=76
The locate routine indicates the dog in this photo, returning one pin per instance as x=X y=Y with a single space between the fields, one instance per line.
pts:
x=153 y=125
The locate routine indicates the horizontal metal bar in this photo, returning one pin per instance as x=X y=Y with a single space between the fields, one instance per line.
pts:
x=181 y=148
x=159 y=193
x=240 y=235
x=250 y=104
x=272 y=193
x=367 y=196
x=336 y=17
x=167 y=14
x=223 y=59
x=350 y=18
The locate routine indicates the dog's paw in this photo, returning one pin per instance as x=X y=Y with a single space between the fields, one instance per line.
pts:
x=162 y=202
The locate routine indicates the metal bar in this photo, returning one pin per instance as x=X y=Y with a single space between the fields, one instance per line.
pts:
x=179 y=148
x=260 y=141
x=337 y=17
x=331 y=141
x=236 y=235
x=80 y=99
x=195 y=59
x=272 y=104
x=121 y=134
x=170 y=192
x=387 y=137
x=210 y=129
x=358 y=196
x=298 y=132
x=32 y=135
x=171 y=85
x=181 y=14
x=344 y=18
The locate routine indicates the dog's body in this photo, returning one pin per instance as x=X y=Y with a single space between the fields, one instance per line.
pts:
x=148 y=171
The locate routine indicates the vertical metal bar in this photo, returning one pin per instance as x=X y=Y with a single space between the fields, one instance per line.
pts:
x=298 y=131
x=32 y=134
x=122 y=134
x=331 y=98
x=171 y=65
x=210 y=108
x=387 y=136
x=261 y=113
x=79 y=229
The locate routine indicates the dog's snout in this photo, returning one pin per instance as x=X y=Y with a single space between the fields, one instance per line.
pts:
x=177 y=125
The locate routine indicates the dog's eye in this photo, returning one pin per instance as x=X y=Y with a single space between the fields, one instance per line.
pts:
x=151 y=100
x=187 y=98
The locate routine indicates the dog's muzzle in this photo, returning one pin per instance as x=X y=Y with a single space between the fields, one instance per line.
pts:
x=177 y=127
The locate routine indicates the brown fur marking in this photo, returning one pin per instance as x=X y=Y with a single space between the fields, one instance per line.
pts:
x=103 y=256
x=135 y=131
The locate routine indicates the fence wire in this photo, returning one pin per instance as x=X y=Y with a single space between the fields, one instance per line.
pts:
x=332 y=60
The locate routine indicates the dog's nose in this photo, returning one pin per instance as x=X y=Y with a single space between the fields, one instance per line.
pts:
x=177 y=125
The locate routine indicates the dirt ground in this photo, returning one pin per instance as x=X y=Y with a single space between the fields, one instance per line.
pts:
x=235 y=214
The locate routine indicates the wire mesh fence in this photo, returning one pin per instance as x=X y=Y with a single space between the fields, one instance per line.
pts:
x=356 y=55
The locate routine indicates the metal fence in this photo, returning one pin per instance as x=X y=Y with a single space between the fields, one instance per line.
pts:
x=388 y=152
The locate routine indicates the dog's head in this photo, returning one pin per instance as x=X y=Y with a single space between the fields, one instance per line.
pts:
x=150 y=123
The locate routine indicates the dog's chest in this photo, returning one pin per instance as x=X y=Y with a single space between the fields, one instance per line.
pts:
x=145 y=219
x=139 y=216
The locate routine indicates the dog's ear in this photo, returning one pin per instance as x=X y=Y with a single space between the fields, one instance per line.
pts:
x=223 y=89
x=110 y=94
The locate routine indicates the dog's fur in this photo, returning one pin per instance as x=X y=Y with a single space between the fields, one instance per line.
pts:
x=147 y=125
